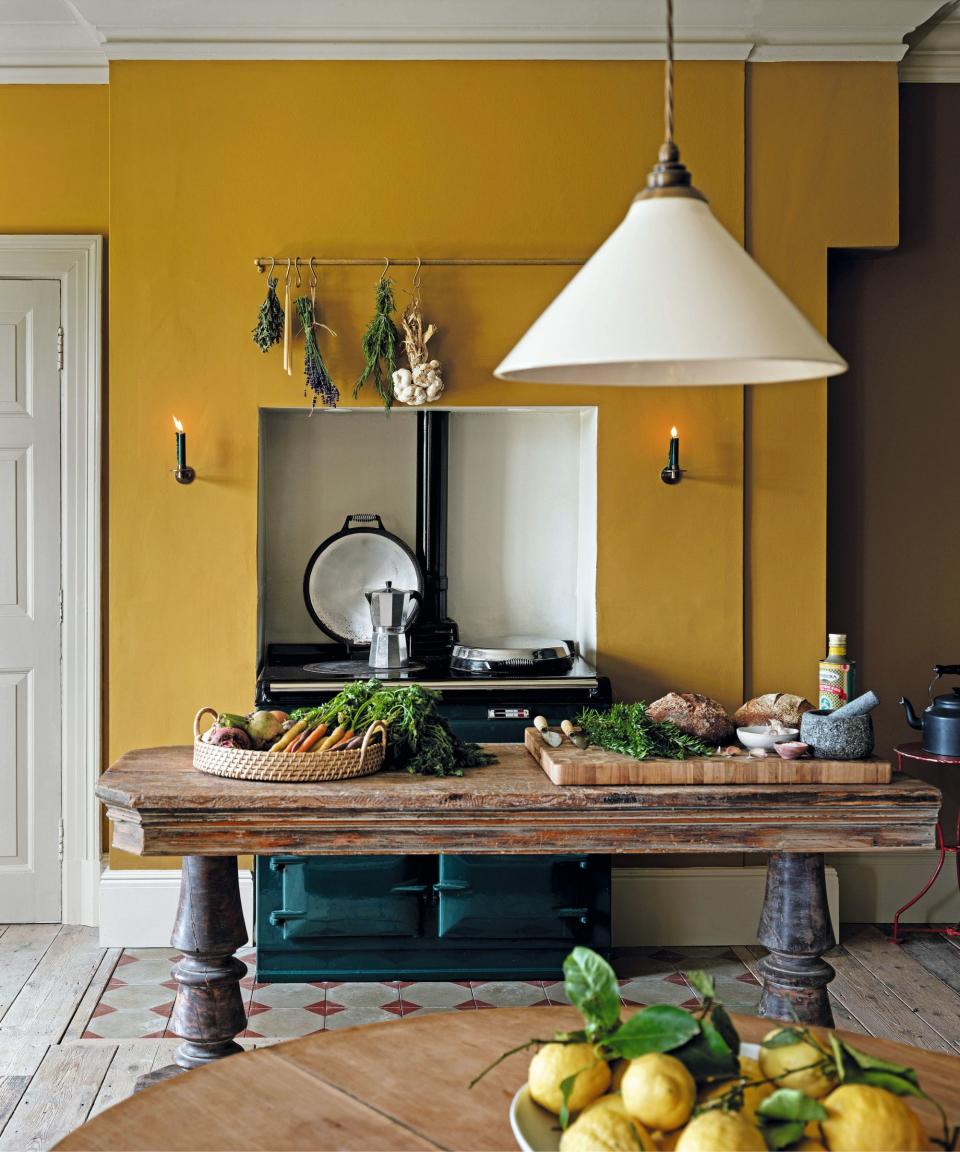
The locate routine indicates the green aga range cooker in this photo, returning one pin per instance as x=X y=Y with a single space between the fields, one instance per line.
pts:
x=431 y=917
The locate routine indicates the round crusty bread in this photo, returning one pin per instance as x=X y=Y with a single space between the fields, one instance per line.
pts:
x=694 y=714
x=781 y=706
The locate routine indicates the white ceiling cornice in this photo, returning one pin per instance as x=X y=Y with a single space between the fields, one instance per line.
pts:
x=934 y=54
x=70 y=41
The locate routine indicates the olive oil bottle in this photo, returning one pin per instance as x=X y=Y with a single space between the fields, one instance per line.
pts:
x=838 y=674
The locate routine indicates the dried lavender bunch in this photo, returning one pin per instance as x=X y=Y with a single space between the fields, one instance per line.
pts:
x=318 y=381
x=380 y=344
x=269 y=327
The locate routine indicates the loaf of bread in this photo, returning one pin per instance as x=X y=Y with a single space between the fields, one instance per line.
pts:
x=783 y=707
x=694 y=714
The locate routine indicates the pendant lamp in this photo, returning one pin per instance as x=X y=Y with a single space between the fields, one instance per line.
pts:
x=671 y=298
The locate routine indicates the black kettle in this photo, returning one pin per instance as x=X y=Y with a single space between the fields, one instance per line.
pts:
x=940 y=721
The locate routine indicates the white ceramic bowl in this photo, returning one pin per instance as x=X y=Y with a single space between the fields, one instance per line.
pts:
x=537 y=1130
x=760 y=736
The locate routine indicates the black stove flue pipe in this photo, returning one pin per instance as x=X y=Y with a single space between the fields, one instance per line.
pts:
x=434 y=634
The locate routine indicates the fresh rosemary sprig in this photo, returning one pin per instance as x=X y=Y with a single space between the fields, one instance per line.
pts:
x=380 y=344
x=269 y=327
x=628 y=729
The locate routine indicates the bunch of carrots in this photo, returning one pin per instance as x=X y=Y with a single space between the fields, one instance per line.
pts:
x=311 y=733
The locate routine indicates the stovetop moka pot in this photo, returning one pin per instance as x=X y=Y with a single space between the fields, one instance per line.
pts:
x=940 y=720
x=392 y=611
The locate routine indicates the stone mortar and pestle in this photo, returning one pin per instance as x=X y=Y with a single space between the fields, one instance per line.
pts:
x=846 y=734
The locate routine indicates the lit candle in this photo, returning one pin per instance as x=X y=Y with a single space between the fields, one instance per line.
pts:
x=673 y=460
x=181 y=445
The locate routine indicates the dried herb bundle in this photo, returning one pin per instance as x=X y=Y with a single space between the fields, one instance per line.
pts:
x=269 y=327
x=379 y=345
x=318 y=381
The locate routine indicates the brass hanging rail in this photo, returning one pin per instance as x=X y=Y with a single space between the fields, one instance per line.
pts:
x=304 y=262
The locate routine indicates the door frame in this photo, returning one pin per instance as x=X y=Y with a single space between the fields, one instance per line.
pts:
x=77 y=262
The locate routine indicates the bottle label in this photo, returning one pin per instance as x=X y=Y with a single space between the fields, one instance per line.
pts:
x=836 y=684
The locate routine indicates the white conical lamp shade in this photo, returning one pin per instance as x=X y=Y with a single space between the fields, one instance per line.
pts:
x=670 y=298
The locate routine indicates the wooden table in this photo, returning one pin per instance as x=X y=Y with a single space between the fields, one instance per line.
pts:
x=159 y=804
x=401 y=1085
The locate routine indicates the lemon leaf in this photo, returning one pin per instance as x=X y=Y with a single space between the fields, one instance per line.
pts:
x=659 y=1028
x=591 y=986
x=784 y=1037
x=791 y=1104
x=782 y=1135
x=898 y=1085
x=708 y=1055
x=566 y=1091
x=702 y=983
x=867 y=1062
x=720 y=1018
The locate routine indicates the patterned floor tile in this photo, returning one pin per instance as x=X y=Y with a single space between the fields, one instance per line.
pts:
x=351 y=1017
x=126 y=1024
x=437 y=994
x=654 y=990
x=137 y=996
x=284 y=1023
x=555 y=992
x=278 y=996
x=509 y=993
x=417 y=1010
x=366 y=995
x=145 y=965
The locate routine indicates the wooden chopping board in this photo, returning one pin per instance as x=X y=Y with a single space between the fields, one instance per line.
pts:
x=570 y=765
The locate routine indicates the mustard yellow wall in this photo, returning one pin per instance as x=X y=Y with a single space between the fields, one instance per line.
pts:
x=54 y=150
x=214 y=163
x=211 y=164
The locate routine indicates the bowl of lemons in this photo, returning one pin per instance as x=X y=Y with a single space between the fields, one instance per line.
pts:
x=670 y=1079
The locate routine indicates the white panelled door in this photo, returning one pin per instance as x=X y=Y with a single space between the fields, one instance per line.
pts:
x=30 y=695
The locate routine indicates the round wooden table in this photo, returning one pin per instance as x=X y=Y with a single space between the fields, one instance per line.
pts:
x=400 y=1085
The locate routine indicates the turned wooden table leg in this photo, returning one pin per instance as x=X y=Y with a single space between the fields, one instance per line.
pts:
x=209 y=1011
x=795 y=926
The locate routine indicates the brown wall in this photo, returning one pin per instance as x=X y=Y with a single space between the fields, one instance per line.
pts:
x=894 y=529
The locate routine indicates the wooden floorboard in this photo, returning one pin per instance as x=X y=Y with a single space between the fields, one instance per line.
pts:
x=92 y=995
x=22 y=948
x=49 y=999
x=132 y=1059
x=19 y=1061
x=937 y=955
x=917 y=989
x=59 y=1097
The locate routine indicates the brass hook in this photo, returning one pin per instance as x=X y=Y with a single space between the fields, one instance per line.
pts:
x=313 y=274
x=286 y=279
x=272 y=266
x=298 y=271
x=386 y=267
x=416 y=276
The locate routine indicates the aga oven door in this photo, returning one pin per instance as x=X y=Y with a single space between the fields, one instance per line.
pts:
x=350 y=896
x=523 y=898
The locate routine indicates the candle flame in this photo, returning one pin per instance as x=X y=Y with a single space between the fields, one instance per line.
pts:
x=674 y=433
x=177 y=424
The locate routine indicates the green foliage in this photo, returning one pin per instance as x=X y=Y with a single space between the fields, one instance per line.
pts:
x=591 y=986
x=784 y=1037
x=627 y=728
x=380 y=344
x=784 y=1115
x=418 y=737
x=702 y=983
x=659 y=1028
x=269 y=327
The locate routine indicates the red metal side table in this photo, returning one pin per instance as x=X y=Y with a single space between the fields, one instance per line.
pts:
x=914 y=751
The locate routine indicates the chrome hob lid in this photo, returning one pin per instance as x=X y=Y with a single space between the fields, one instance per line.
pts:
x=512 y=654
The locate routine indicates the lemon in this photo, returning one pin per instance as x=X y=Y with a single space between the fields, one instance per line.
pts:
x=604 y=1126
x=658 y=1091
x=790 y=1064
x=861 y=1118
x=554 y=1063
x=718 y=1131
x=753 y=1095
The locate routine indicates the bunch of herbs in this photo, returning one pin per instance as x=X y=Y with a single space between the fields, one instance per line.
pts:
x=627 y=728
x=318 y=382
x=380 y=345
x=269 y=327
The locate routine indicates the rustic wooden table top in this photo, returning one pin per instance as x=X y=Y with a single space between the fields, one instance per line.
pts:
x=160 y=804
x=401 y=1085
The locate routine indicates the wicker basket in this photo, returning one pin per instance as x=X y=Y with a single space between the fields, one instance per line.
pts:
x=289 y=767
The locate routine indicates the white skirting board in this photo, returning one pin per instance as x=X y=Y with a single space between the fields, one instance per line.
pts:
x=138 y=908
x=652 y=907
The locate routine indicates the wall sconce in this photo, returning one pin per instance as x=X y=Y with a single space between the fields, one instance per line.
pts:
x=183 y=473
x=673 y=473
